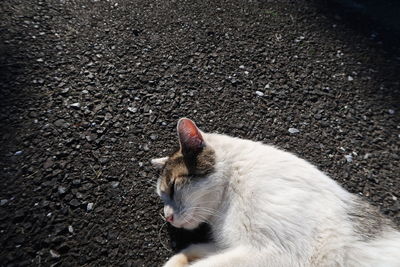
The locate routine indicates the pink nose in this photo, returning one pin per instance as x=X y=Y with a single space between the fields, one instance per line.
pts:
x=169 y=218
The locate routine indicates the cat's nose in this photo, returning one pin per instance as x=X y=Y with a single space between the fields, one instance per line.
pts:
x=168 y=213
x=169 y=218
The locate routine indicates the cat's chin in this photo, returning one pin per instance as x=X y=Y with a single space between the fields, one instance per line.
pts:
x=189 y=225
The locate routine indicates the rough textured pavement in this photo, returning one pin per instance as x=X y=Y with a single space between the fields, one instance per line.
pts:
x=91 y=90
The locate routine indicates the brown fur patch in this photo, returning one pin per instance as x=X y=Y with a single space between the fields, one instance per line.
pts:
x=179 y=169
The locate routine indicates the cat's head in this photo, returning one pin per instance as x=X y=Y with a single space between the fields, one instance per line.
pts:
x=186 y=183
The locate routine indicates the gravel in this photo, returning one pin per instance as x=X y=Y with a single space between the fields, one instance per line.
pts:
x=293 y=130
x=90 y=91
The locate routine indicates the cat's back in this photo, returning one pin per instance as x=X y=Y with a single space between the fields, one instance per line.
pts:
x=299 y=208
x=277 y=184
x=262 y=163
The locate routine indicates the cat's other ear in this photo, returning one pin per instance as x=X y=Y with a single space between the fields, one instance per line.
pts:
x=190 y=137
x=159 y=162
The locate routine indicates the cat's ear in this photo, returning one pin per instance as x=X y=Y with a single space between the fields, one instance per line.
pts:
x=159 y=162
x=191 y=141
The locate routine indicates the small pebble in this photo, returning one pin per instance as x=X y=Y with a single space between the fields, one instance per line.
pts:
x=91 y=137
x=349 y=157
x=74 y=202
x=3 y=202
x=349 y=78
x=104 y=160
x=114 y=184
x=89 y=206
x=62 y=190
x=259 y=93
x=108 y=116
x=76 y=105
x=60 y=123
x=70 y=229
x=293 y=130
x=367 y=155
x=133 y=110
x=54 y=254
x=18 y=153
x=391 y=111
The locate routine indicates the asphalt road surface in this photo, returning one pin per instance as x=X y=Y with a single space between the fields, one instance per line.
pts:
x=90 y=91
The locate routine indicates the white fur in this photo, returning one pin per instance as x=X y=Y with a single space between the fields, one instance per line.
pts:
x=159 y=162
x=267 y=207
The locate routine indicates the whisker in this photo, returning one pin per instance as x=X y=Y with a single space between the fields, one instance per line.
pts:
x=162 y=216
x=159 y=237
x=207 y=211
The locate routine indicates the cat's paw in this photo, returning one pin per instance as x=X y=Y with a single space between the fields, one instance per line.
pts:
x=178 y=260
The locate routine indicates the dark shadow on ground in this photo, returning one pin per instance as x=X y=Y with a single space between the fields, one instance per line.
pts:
x=181 y=238
x=377 y=20
x=14 y=66
x=379 y=23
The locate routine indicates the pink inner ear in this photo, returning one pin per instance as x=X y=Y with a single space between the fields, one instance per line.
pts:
x=189 y=135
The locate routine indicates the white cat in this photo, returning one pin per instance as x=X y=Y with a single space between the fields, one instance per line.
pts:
x=266 y=207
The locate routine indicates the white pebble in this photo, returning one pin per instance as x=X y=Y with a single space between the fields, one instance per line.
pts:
x=349 y=158
x=391 y=111
x=76 y=105
x=70 y=229
x=89 y=206
x=259 y=93
x=367 y=155
x=349 y=78
x=54 y=254
x=18 y=153
x=293 y=130
x=133 y=110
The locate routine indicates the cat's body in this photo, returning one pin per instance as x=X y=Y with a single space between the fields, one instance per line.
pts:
x=267 y=207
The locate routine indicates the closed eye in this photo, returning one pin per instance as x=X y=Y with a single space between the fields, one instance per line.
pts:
x=172 y=190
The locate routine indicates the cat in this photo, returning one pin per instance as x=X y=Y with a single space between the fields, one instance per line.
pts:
x=266 y=208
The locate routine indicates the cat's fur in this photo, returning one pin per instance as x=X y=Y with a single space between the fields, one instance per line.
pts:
x=267 y=207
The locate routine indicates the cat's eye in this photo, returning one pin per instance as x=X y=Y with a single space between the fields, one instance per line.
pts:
x=172 y=190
